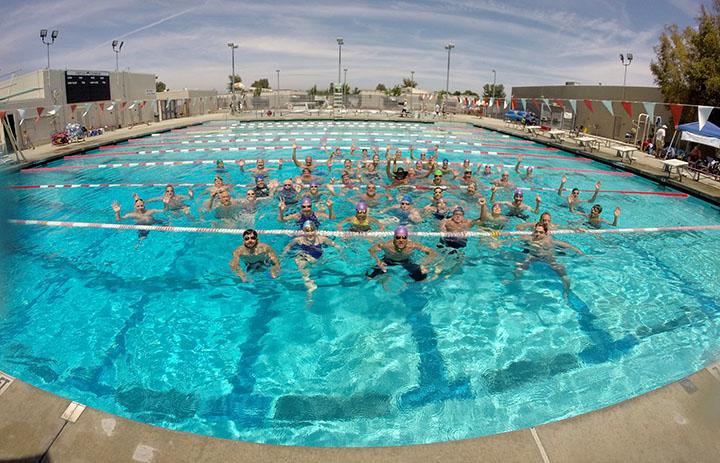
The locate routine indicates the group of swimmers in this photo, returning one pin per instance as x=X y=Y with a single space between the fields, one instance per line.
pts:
x=360 y=181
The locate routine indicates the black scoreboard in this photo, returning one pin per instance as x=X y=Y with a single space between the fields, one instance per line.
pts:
x=85 y=86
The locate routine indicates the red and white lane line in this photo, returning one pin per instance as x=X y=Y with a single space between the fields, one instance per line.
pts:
x=343 y=234
x=248 y=185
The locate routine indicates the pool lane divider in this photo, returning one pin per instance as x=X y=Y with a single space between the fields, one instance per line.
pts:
x=347 y=234
x=249 y=185
x=232 y=161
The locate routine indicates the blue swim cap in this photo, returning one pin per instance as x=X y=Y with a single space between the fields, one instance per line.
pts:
x=458 y=209
x=445 y=160
x=259 y=177
x=309 y=224
x=407 y=198
x=401 y=231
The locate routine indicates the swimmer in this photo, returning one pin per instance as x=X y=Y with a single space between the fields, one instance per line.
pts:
x=398 y=177
x=370 y=172
x=255 y=255
x=262 y=190
x=545 y=219
x=456 y=223
x=404 y=211
x=595 y=221
x=226 y=208
x=218 y=184
x=173 y=201
x=439 y=211
x=517 y=206
x=141 y=215
x=504 y=181
x=573 y=200
x=306 y=214
x=528 y=177
x=361 y=221
x=220 y=167
x=308 y=160
x=399 y=251
x=467 y=177
x=289 y=193
x=494 y=219
x=260 y=168
x=438 y=178
x=470 y=194
x=310 y=248
x=313 y=192
x=371 y=196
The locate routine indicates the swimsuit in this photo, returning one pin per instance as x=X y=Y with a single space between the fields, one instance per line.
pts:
x=313 y=250
x=290 y=197
x=263 y=192
x=452 y=242
x=312 y=218
x=412 y=268
x=357 y=226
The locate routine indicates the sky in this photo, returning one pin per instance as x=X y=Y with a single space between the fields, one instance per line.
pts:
x=184 y=43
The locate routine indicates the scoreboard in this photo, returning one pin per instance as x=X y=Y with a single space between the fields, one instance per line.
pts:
x=85 y=86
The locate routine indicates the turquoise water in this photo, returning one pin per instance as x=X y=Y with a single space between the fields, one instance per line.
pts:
x=163 y=332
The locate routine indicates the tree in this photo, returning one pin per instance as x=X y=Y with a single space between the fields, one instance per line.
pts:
x=687 y=69
x=395 y=91
x=498 y=94
x=313 y=90
x=160 y=86
x=345 y=89
x=356 y=91
x=381 y=88
x=409 y=83
x=233 y=79
x=259 y=85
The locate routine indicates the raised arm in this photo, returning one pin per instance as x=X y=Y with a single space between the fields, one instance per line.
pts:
x=595 y=195
x=294 y=156
x=562 y=185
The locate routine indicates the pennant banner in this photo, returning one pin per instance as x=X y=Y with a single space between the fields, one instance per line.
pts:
x=134 y=103
x=101 y=106
x=72 y=108
x=676 y=111
x=703 y=114
x=628 y=108
x=122 y=105
x=573 y=105
x=22 y=112
x=39 y=110
x=111 y=107
x=588 y=103
x=87 y=109
x=547 y=102
x=524 y=103
x=650 y=110
x=560 y=103
x=608 y=105
x=54 y=111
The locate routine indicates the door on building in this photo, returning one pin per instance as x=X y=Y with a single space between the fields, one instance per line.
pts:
x=6 y=136
x=618 y=128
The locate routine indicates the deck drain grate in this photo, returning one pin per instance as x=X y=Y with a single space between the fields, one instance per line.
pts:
x=5 y=382
x=73 y=412
x=714 y=370
x=689 y=386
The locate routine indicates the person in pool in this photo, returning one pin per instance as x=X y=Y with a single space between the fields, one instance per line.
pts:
x=370 y=196
x=404 y=212
x=528 y=177
x=517 y=207
x=262 y=189
x=308 y=160
x=399 y=177
x=218 y=184
x=260 y=167
x=140 y=215
x=174 y=202
x=360 y=222
x=452 y=244
x=289 y=193
x=220 y=167
x=399 y=251
x=545 y=219
x=504 y=181
x=306 y=213
x=594 y=220
x=493 y=219
x=573 y=200
x=256 y=256
x=309 y=247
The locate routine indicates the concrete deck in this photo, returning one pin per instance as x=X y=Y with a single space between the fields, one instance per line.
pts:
x=676 y=423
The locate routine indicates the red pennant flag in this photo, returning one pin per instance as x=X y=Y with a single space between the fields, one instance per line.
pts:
x=512 y=103
x=142 y=105
x=497 y=102
x=676 y=111
x=102 y=106
x=560 y=103
x=2 y=114
x=628 y=108
x=72 y=108
x=588 y=103
x=122 y=105
x=39 y=110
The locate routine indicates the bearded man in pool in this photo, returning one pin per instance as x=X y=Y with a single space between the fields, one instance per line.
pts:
x=255 y=255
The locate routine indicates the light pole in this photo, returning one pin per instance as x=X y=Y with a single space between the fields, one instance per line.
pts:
x=117 y=46
x=343 y=85
x=277 y=90
x=53 y=36
x=493 y=90
x=232 y=46
x=448 y=47
x=625 y=60
x=340 y=43
x=412 y=82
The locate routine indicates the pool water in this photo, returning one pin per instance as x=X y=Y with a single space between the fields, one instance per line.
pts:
x=162 y=331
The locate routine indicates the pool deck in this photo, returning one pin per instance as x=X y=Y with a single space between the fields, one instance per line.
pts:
x=676 y=423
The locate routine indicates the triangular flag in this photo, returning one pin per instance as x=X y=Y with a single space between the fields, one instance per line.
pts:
x=111 y=106
x=588 y=103
x=122 y=105
x=142 y=105
x=72 y=108
x=134 y=103
x=703 y=114
x=39 y=110
x=573 y=105
x=55 y=110
x=547 y=102
x=87 y=109
x=524 y=103
x=2 y=114
x=676 y=111
x=608 y=105
x=628 y=108
x=536 y=103
x=505 y=104
x=102 y=106
x=560 y=103
x=650 y=110
x=21 y=114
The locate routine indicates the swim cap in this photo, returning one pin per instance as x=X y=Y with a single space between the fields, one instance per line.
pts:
x=314 y=184
x=445 y=160
x=407 y=198
x=518 y=192
x=259 y=177
x=458 y=209
x=438 y=172
x=467 y=160
x=468 y=171
x=530 y=168
x=361 y=206
x=306 y=201
x=401 y=231
x=309 y=224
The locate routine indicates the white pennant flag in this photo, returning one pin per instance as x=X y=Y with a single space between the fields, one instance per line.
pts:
x=87 y=109
x=524 y=104
x=492 y=102
x=650 y=110
x=55 y=110
x=22 y=112
x=703 y=114
x=573 y=105
x=608 y=105
x=111 y=106
x=134 y=103
x=505 y=104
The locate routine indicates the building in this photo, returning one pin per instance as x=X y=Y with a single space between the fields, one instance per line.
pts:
x=552 y=103
x=172 y=104
x=43 y=102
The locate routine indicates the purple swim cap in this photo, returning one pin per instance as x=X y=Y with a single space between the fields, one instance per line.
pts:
x=401 y=231
x=361 y=206
x=314 y=184
x=518 y=192
x=306 y=201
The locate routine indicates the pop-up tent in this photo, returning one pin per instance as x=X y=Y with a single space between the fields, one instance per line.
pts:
x=709 y=135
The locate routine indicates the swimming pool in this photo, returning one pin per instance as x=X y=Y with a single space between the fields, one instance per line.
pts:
x=168 y=335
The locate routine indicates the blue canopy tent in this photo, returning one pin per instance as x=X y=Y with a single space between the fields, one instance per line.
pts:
x=709 y=135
